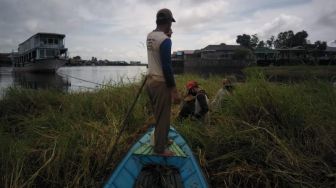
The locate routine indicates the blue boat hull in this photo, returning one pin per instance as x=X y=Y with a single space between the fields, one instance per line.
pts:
x=127 y=172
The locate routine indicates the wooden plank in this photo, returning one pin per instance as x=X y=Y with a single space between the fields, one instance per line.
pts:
x=147 y=149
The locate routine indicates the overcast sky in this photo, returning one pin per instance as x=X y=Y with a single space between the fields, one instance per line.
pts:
x=117 y=29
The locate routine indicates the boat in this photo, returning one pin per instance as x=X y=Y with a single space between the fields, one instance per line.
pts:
x=141 y=167
x=42 y=52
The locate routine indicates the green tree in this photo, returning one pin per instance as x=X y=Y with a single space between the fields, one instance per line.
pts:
x=284 y=39
x=288 y=39
x=261 y=44
x=254 y=41
x=270 y=42
x=320 y=45
x=77 y=58
x=244 y=40
x=300 y=38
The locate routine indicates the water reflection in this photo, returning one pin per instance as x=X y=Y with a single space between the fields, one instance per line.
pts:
x=71 y=79
x=41 y=81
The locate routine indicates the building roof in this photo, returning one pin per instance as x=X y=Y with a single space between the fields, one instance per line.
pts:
x=197 y=51
x=296 y=48
x=263 y=50
x=222 y=47
x=189 y=51
x=330 y=49
x=41 y=33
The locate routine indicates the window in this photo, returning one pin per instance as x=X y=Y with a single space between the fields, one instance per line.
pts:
x=50 y=41
x=56 y=41
x=49 y=52
x=44 y=40
x=42 y=53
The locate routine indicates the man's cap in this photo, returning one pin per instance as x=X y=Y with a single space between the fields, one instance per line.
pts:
x=165 y=13
x=191 y=84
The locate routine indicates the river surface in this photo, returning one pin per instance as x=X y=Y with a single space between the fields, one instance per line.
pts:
x=71 y=79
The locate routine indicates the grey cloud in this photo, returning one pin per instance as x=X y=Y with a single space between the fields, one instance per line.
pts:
x=328 y=19
x=332 y=43
x=112 y=28
x=280 y=23
x=180 y=2
x=202 y=16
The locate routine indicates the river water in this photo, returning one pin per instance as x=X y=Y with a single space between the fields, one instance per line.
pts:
x=81 y=78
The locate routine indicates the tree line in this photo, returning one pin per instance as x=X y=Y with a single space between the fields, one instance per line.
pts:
x=285 y=39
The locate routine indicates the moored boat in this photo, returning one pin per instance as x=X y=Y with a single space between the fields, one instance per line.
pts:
x=43 y=52
x=141 y=167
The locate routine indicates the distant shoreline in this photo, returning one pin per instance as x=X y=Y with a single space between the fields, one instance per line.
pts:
x=104 y=65
x=142 y=65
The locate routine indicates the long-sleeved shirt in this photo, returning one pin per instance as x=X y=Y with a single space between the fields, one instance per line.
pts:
x=219 y=98
x=165 y=54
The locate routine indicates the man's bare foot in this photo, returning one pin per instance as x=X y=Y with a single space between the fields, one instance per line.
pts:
x=166 y=153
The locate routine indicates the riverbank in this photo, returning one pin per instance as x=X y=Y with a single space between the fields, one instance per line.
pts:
x=265 y=135
x=84 y=65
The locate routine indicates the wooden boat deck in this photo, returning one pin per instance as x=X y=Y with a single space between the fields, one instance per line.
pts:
x=136 y=169
x=147 y=149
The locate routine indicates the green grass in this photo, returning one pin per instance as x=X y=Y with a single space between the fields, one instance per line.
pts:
x=265 y=135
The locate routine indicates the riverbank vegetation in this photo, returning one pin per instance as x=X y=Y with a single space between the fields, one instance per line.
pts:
x=265 y=135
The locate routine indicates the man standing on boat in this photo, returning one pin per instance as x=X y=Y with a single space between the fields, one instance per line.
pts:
x=160 y=80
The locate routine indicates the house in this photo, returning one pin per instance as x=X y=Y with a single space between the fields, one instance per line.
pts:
x=219 y=52
x=330 y=53
x=223 y=57
x=265 y=56
x=292 y=56
x=179 y=58
x=300 y=55
x=220 y=56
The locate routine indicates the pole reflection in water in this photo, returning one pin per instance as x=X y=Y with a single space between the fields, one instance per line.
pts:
x=41 y=81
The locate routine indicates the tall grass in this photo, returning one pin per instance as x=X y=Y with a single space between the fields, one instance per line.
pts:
x=52 y=139
x=264 y=135
x=270 y=135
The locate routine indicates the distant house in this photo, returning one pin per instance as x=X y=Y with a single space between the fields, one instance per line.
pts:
x=329 y=56
x=331 y=50
x=265 y=56
x=5 y=59
x=291 y=56
x=219 y=52
x=178 y=58
x=217 y=56
x=300 y=55
x=135 y=62
x=237 y=57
